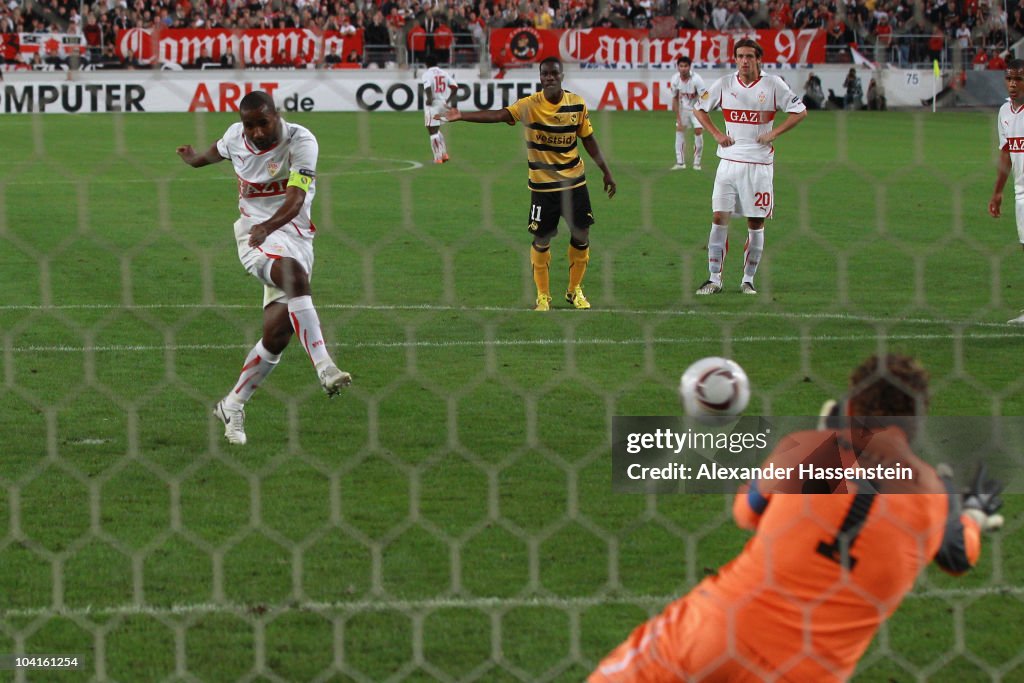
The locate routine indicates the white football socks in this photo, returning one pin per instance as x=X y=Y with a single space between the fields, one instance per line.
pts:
x=437 y=146
x=306 y=323
x=680 y=147
x=698 y=149
x=258 y=364
x=718 y=247
x=752 y=254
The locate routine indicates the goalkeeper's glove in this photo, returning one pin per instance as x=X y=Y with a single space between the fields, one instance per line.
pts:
x=982 y=501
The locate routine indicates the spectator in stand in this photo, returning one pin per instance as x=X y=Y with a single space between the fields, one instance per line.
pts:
x=698 y=16
x=605 y=20
x=52 y=59
x=332 y=58
x=936 y=44
x=396 y=25
x=204 y=59
x=1017 y=25
x=354 y=58
x=803 y=15
x=345 y=26
x=429 y=23
x=7 y=24
x=377 y=41
x=883 y=38
x=303 y=60
x=11 y=48
x=129 y=61
x=735 y=20
x=638 y=16
x=858 y=19
x=980 y=60
x=780 y=15
x=478 y=27
x=416 y=40
x=93 y=35
x=836 y=33
x=998 y=62
x=229 y=61
x=963 y=40
x=109 y=60
x=74 y=23
x=443 y=40
x=718 y=16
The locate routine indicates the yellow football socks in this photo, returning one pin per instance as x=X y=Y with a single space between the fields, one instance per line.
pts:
x=541 y=262
x=578 y=259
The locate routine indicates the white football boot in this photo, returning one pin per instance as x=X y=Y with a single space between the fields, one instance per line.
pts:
x=234 y=422
x=334 y=380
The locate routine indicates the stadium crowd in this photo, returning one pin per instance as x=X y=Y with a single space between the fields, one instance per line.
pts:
x=898 y=31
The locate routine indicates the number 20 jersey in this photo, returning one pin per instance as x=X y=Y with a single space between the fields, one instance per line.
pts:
x=749 y=110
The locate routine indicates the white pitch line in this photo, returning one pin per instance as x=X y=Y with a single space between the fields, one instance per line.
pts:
x=451 y=343
x=705 y=313
x=411 y=166
x=415 y=606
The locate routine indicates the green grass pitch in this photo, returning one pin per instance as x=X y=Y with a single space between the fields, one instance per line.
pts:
x=450 y=517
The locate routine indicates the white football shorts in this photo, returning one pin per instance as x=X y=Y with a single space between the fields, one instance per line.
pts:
x=689 y=119
x=744 y=189
x=283 y=242
x=432 y=113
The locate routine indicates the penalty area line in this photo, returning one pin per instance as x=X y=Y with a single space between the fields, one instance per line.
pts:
x=427 y=605
x=484 y=343
x=739 y=315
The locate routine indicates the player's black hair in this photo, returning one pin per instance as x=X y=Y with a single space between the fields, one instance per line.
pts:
x=430 y=60
x=747 y=42
x=256 y=100
x=1015 y=65
x=684 y=60
x=551 y=60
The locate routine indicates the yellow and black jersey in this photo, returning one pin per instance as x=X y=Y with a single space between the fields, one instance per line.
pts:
x=551 y=132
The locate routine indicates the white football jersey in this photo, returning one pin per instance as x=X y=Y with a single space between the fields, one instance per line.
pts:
x=263 y=176
x=1010 y=126
x=686 y=92
x=749 y=111
x=440 y=82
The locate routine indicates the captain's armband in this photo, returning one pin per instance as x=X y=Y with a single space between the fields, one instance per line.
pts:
x=301 y=178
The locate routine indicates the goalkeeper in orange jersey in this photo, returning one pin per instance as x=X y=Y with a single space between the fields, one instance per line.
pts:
x=806 y=595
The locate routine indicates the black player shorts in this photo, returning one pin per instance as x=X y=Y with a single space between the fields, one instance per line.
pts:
x=547 y=207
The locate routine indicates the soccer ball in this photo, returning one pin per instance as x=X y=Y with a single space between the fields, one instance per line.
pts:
x=714 y=386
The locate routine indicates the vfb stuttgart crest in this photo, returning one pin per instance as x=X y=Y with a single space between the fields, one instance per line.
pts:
x=273 y=167
x=762 y=96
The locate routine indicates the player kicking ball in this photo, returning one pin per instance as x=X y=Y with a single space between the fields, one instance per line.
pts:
x=744 y=181
x=275 y=162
